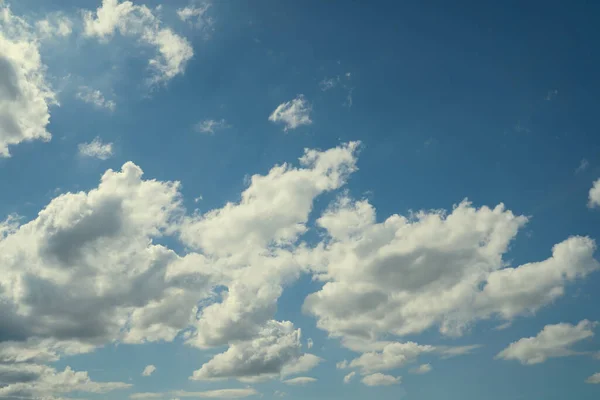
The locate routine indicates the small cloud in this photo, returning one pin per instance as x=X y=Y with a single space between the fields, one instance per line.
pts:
x=422 y=369
x=594 y=195
x=449 y=352
x=348 y=75
x=594 y=379
x=380 y=379
x=342 y=364
x=96 y=149
x=583 y=165
x=197 y=199
x=196 y=15
x=551 y=95
x=309 y=343
x=148 y=370
x=53 y=26
x=348 y=378
x=429 y=142
x=301 y=380
x=519 y=128
x=210 y=126
x=349 y=100
x=329 y=83
x=279 y=393
x=292 y=114
x=95 y=97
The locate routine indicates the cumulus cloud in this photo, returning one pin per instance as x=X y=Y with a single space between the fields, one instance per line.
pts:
x=277 y=347
x=55 y=25
x=148 y=370
x=432 y=268
x=172 y=50
x=553 y=341
x=39 y=381
x=25 y=95
x=299 y=381
x=594 y=379
x=392 y=356
x=293 y=113
x=594 y=195
x=95 y=97
x=422 y=369
x=379 y=379
x=96 y=149
x=211 y=126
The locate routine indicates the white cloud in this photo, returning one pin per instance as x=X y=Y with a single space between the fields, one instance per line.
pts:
x=594 y=195
x=54 y=25
x=196 y=15
x=148 y=370
x=95 y=97
x=348 y=378
x=329 y=83
x=25 y=96
x=432 y=268
x=96 y=149
x=392 y=356
x=211 y=125
x=422 y=369
x=138 y=21
x=208 y=394
x=301 y=380
x=379 y=379
x=293 y=113
x=594 y=379
x=279 y=393
x=37 y=381
x=553 y=341
x=277 y=347
x=583 y=165
x=309 y=343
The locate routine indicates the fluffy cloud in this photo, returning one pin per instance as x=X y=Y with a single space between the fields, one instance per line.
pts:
x=301 y=380
x=594 y=379
x=210 y=126
x=95 y=97
x=96 y=149
x=553 y=341
x=392 y=356
x=138 y=21
x=148 y=370
x=55 y=25
x=38 y=381
x=278 y=347
x=93 y=273
x=379 y=379
x=293 y=113
x=25 y=96
x=422 y=369
x=594 y=195
x=408 y=274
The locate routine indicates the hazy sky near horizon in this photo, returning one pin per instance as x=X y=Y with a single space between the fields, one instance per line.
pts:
x=299 y=199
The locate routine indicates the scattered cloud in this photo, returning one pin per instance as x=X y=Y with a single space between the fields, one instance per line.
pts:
x=279 y=393
x=210 y=126
x=594 y=379
x=148 y=370
x=292 y=114
x=96 y=149
x=25 y=96
x=138 y=21
x=309 y=343
x=551 y=95
x=209 y=394
x=301 y=380
x=348 y=378
x=379 y=379
x=553 y=341
x=393 y=355
x=197 y=15
x=329 y=83
x=95 y=97
x=594 y=195
x=54 y=25
x=583 y=165
x=422 y=369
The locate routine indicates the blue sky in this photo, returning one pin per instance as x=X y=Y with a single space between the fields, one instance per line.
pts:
x=269 y=199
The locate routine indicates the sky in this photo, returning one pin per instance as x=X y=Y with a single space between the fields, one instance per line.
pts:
x=299 y=199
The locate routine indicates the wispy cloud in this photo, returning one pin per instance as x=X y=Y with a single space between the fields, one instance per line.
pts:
x=292 y=114
x=583 y=165
x=96 y=149
x=210 y=126
x=95 y=97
